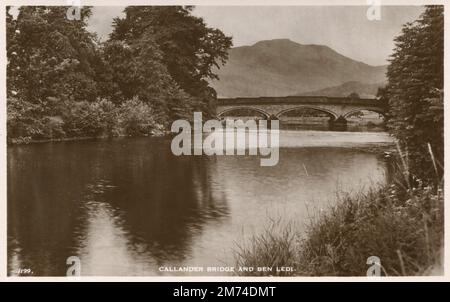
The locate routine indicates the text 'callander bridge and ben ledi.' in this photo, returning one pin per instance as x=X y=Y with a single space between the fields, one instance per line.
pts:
x=338 y=108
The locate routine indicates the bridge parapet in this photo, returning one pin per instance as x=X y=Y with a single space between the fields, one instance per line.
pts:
x=298 y=100
x=336 y=107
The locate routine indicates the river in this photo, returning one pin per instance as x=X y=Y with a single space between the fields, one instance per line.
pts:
x=128 y=207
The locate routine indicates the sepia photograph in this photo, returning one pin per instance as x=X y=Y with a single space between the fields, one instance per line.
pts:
x=225 y=141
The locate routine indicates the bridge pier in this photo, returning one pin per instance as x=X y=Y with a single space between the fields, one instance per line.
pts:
x=339 y=124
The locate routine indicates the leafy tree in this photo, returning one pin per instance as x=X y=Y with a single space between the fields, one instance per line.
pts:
x=53 y=63
x=51 y=56
x=414 y=90
x=137 y=71
x=63 y=82
x=189 y=49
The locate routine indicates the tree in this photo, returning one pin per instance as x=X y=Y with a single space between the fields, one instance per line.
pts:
x=414 y=90
x=62 y=81
x=51 y=57
x=53 y=62
x=189 y=49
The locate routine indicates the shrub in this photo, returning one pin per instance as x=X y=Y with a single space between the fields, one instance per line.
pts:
x=136 y=118
x=405 y=234
x=24 y=120
x=108 y=116
x=53 y=128
x=89 y=119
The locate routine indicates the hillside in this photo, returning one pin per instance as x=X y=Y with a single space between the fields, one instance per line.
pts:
x=364 y=90
x=282 y=67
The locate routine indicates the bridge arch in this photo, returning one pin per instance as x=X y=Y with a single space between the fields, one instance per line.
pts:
x=367 y=109
x=266 y=115
x=329 y=112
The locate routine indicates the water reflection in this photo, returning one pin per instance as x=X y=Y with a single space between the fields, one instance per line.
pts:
x=71 y=198
x=128 y=206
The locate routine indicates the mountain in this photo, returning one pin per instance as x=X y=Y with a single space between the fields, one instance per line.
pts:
x=282 y=67
x=364 y=90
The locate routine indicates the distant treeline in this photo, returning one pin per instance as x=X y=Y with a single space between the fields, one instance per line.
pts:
x=63 y=82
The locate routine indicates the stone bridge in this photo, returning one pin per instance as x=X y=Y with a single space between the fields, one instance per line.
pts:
x=272 y=107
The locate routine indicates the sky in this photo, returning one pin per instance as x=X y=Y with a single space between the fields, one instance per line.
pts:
x=346 y=29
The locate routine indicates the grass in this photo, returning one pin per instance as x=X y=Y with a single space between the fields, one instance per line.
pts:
x=401 y=223
x=275 y=247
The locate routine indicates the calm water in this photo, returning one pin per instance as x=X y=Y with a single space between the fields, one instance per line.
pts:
x=128 y=206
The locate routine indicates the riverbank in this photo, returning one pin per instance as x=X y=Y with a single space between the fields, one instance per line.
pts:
x=401 y=224
x=21 y=141
x=376 y=142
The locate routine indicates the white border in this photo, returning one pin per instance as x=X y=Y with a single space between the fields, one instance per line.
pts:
x=223 y=2
x=3 y=161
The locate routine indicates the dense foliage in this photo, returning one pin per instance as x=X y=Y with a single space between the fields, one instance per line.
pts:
x=63 y=82
x=415 y=91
